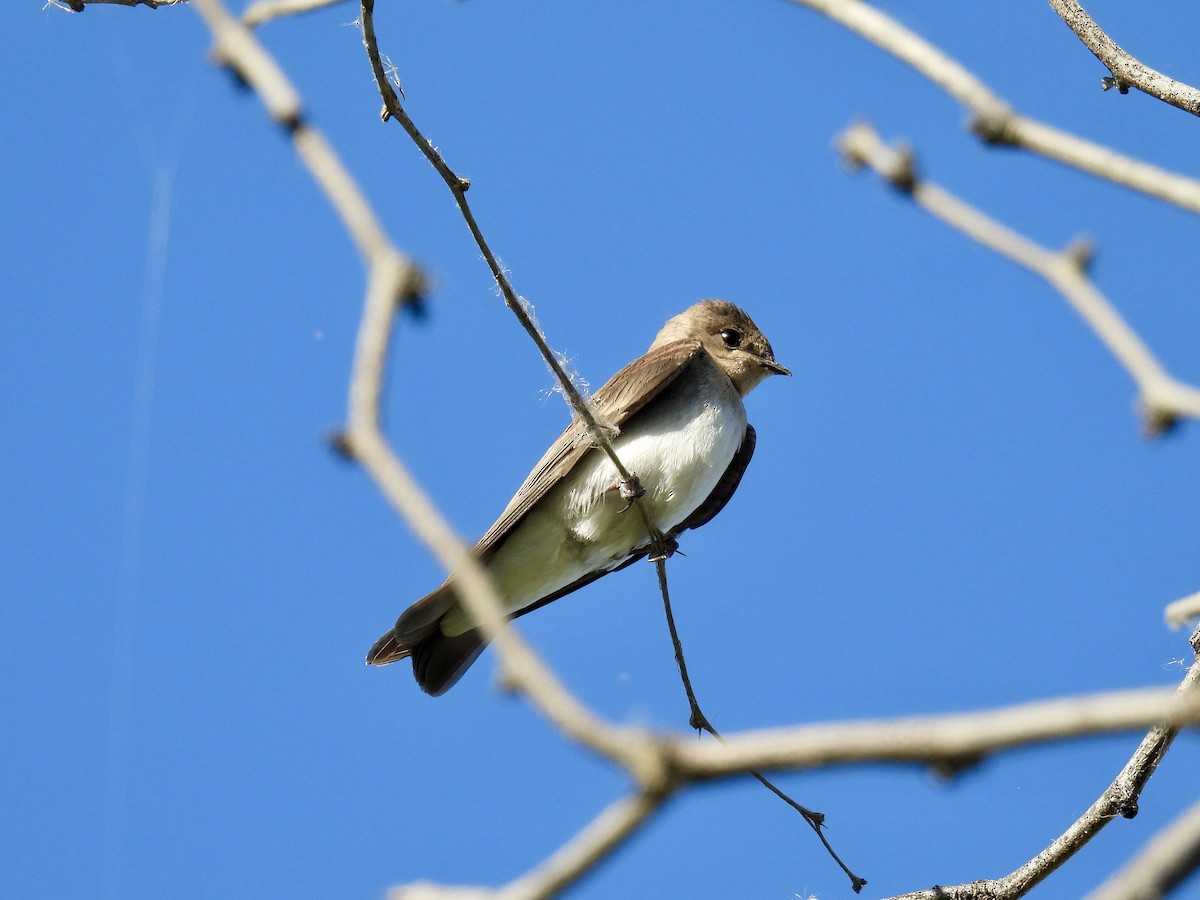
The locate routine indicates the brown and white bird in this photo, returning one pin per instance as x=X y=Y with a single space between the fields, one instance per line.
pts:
x=681 y=427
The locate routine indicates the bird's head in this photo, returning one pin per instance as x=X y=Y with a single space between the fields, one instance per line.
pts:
x=730 y=337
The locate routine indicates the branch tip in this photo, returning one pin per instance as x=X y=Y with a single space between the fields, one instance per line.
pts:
x=994 y=129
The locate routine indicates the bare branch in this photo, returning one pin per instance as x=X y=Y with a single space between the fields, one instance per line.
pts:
x=1172 y=855
x=660 y=766
x=1163 y=399
x=698 y=720
x=948 y=743
x=1120 y=799
x=392 y=281
x=597 y=433
x=265 y=10
x=994 y=120
x=1182 y=611
x=81 y=5
x=255 y=14
x=1126 y=71
x=606 y=832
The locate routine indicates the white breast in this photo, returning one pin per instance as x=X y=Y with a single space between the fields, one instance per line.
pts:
x=679 y=445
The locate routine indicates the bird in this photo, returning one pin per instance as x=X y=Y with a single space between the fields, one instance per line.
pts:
x=680 y=426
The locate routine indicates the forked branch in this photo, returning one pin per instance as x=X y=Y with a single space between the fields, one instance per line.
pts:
x=1163 y=399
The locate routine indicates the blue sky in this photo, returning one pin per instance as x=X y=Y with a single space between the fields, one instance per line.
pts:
x=950 y=506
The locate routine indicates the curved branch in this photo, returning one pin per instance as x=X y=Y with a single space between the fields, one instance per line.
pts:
x=81 y=5
x=1120 y=799
x=994 y=121
x=262 y=11
x=1126 y=71
x=1163 y=399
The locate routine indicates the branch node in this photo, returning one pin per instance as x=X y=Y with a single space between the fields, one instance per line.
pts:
x=862 y=146
x=1157 y=418
x=1079 y=254
x=222 y=61
x=342 y=444
x=994 y=128
x=950 y=767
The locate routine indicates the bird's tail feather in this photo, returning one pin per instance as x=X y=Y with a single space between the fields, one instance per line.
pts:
x=387 y=649
x=438 y=661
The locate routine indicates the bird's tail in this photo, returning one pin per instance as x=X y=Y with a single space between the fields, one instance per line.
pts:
x=438 y=659
x=387 y=649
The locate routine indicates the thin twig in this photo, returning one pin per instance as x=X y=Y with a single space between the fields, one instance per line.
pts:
x=1120 y=799
x=700 y=722
x=1163 y=399
x=608 y=830
x=1171 y=855
x=994 y=120
x=597 y=433
x=948 y=743
x=1126 y=71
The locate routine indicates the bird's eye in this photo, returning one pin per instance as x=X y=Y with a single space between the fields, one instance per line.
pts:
x=732 y=338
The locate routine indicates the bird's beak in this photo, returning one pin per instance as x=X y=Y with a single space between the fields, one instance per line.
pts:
x=771 y=366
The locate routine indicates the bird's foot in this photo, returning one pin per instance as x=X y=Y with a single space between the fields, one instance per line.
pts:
x=630 y=489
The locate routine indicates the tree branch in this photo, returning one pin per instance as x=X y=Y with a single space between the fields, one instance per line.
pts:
x=1163 y=399
x=947 y=743
x=392 y=282
x=994 y=121
x=699 y=721
x=265 y=10
x=1182 y=611
x=1126 y=71
x=598 y=432
x=1120 y=799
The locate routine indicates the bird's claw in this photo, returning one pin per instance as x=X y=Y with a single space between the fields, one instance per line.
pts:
x=667 y=548
x=630 y=489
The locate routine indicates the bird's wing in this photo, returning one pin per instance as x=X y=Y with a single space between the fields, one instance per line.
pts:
x=620 y=397
x=715 y=502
